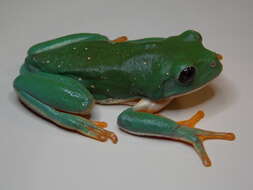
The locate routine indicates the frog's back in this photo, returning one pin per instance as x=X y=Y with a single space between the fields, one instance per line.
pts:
x=86 y=55
x=105 y=67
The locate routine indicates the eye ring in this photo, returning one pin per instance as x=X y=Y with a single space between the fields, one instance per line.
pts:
x=187 y=75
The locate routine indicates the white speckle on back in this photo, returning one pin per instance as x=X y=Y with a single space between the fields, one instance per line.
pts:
x=47 y=61
x=89 y=58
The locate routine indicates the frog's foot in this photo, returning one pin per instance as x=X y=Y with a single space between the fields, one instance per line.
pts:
x=101 y=134
x=197 y=136
x=204 y=135
x=193 y=120
x=146 y=124
x=120 y=39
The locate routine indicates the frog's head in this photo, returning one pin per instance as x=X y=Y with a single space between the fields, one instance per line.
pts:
x=192 y=65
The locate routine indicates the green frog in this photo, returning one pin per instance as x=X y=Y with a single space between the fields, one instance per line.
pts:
x=62 y=79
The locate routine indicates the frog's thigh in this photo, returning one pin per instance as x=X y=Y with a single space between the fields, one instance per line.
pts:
x=59 y=92
x=57 y=98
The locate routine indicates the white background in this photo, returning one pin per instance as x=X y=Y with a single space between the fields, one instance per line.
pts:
x=34 y=154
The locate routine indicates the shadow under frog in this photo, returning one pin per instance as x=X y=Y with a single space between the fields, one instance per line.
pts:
x=219 y=97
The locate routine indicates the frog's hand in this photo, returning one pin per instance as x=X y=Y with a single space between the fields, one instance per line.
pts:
x=61 y=100
x=193 y=120
x=65 y=40
x=146 y=124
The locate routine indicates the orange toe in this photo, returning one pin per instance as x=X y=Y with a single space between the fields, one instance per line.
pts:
x=100 y=124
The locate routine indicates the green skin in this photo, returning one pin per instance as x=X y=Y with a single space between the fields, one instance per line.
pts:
x=61 y=79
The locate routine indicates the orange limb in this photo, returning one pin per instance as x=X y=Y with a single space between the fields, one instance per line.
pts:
x=120 y=39
x=193 y=120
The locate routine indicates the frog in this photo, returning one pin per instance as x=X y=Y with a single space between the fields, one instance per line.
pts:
x=63 y=78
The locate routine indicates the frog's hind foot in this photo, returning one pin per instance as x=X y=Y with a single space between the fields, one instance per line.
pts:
x=101 y=134
x=203 y=135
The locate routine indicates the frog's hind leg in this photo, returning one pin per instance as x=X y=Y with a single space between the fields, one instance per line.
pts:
x=61 y=100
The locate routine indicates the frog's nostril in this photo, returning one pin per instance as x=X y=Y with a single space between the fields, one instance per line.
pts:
x=219 y=56
x=213 y=64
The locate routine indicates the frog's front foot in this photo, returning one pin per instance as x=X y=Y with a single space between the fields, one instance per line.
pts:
x=146 y=124
x=196 y=137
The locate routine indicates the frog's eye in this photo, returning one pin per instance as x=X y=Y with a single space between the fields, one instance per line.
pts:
x=187 y=75
x=191 y=35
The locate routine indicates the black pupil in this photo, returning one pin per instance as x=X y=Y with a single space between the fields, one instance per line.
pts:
x=187 y=75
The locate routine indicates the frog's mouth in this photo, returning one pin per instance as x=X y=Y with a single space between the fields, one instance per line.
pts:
x=191 y=91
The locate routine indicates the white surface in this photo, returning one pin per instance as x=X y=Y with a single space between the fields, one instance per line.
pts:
x=37 y=155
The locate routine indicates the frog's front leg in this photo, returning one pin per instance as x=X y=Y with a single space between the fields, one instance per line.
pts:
x=62 y=100
x=141 y=123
